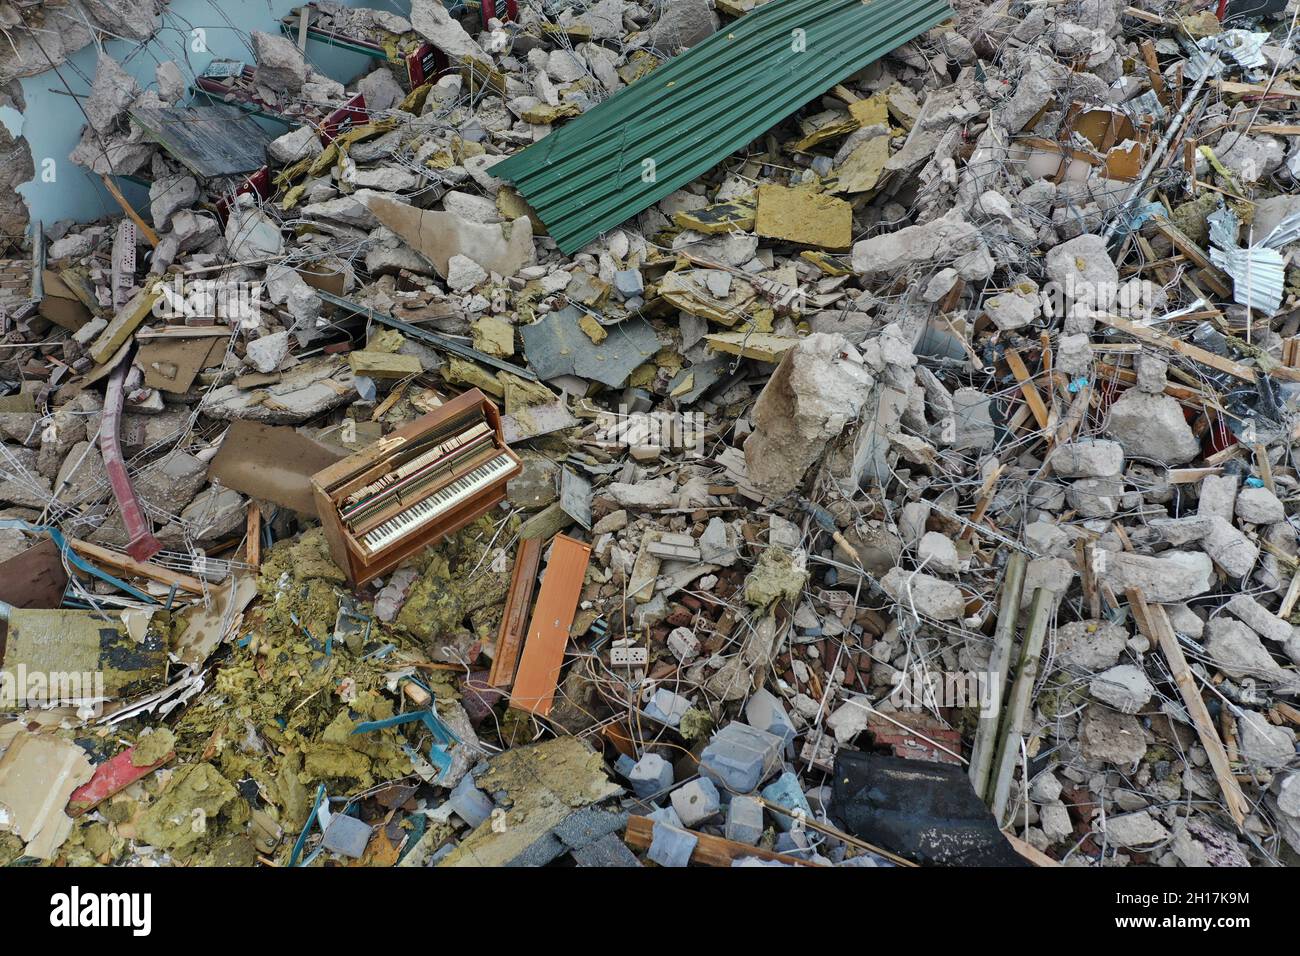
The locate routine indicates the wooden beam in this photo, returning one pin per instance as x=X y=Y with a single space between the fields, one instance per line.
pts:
x=121 y=562
x=548 y=631
x=709 y=850
x=130 y=211
x=1004 y=636
x=1154 y=624
x=1029 y=851
x=1193 y=352
x=1027 y=388
x=253 y=545
x=1018 y=702
x=523 y=578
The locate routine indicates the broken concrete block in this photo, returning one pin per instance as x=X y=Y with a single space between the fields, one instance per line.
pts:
x=809 y=400
x=1253 y=614
x=744 y=820
x=1236 y=650
x=1111 y=737
x=739 y=757
x=936 y=242
x=1152 y=426
x=1259 y=506
x=696 y=802
x=652 y=774
x=1172 y=576
x=938 y=553
x=924 y=594
x=280 y=64
x=1124 y=687
x=1095 y=458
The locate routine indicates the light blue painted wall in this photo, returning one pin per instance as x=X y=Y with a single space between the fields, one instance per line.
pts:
x=52 y=121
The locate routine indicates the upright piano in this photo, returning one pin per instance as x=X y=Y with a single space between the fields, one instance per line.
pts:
x=414 y=487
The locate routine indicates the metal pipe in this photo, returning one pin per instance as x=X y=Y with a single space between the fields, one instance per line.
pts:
x=143 y=544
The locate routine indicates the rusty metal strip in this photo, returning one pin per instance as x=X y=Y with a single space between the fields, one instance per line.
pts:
x=143 y=544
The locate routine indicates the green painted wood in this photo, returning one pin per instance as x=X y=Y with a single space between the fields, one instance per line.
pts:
x=680 y=121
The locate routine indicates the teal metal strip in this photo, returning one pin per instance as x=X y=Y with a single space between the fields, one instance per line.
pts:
x=680 y=121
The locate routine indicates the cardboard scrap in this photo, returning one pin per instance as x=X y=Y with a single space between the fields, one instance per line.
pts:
x=172 y=365
x=38 y=774
x=271 y=462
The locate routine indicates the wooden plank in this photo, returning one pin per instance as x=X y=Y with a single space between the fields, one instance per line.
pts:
x=1032 y=398
x=254 y=539
x=986 y=732
x=130 y=211
x=548 y=631
x=121 y=562
x=1154 y=624
x=1029 y=851
x=1193 y=352
x=1157 y=80
x=511 y=636
x=710 y=850
x=1018 y=703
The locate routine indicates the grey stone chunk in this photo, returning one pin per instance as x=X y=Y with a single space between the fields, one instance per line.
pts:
x=739 y=757
x=1253 y=614
x=652 y=774
x=1259 y=506
x=696 y=801
x=1090 y=646
x=671 y=846
x=1173 y=576
x=1124 y=687
x=939 y=553
x=608 y=851
x=744 y=820
x=1111 y=737
x=470 y=803
x=1135 y=829
x=1264 y=745
x=1152 y=427
x=667 y=707
x=765 y=711
x=927 y=595
x=1236 y=650
x=1095 y=497
x=1218 y=496
x=1095 y=458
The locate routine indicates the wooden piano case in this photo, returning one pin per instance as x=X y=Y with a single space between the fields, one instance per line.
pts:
x=333 y=484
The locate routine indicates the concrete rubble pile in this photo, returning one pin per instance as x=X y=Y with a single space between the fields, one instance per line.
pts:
x=951 y=421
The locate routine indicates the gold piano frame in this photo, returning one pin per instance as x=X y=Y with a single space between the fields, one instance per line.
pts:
x=331 y=485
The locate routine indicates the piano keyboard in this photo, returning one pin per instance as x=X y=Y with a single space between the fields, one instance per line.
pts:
x=436 y=504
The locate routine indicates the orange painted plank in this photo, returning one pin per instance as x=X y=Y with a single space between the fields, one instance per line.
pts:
x=548 y=631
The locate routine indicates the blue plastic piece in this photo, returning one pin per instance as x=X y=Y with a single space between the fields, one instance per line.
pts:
x=443 y=737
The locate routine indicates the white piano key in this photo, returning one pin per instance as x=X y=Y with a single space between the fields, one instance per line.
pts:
x=429 y=508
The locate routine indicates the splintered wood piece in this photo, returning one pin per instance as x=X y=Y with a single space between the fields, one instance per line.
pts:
x=1027 y=387
x=709 y=850
x=1154 y=624
x=548 y=631
x=511 y=637
x=254 y=542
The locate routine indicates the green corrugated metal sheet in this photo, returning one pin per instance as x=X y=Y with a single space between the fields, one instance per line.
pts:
x=696 y=109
